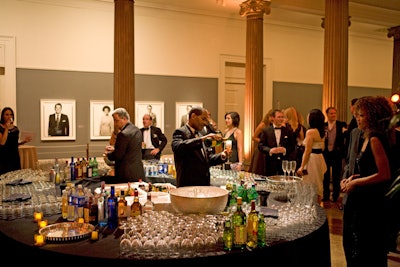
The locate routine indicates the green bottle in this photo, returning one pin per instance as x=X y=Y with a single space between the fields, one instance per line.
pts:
x=228 y=235
x=261 y=234
x=233 y=194
x=252 y=226
x=239 y=226
x=95 y=167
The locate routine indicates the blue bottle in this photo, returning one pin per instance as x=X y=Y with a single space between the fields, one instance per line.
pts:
x=112 y=209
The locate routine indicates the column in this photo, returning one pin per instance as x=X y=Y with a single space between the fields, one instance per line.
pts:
x=124 y=58
x=395 y=33
x=336 y=23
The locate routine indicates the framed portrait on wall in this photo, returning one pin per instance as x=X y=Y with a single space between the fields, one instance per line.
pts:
x=57 y=119
x=182 y=111
x=101 y=119
x=155 y=109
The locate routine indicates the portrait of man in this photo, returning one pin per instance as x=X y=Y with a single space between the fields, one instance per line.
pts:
x=58 y=122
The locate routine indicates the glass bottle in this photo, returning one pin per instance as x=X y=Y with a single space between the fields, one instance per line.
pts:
x=95 y=167
x=136 y=207
x=64 y=204
x=252 y=226
x=80 y=201
x=94 y=211
x=71 y=205
x=233 y=194
x=90 y=168
x=228 y=235
x=72 y=169
x=261 y=237
x=148 y=206
x=122 y=208
x=239 y=226
x=112 y=209
x=89 y=199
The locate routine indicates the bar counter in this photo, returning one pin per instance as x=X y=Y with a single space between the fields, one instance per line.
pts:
x=300 y=244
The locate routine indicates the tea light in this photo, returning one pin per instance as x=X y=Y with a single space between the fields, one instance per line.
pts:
x=81 y=220
x=39 y=240
x=95 y=235
x=42 y=224
x=37 y=216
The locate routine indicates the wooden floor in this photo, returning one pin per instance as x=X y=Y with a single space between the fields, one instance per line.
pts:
x=334 y=215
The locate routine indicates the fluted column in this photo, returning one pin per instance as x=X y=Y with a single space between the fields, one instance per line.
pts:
x=253 y=104
x=124 y=57
x=395 y=33
x=335 y=79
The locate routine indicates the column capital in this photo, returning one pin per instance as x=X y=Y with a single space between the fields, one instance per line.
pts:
x=394 y=32
x=251 y=7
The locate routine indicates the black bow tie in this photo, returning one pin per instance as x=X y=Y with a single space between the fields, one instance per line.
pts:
x=145 y=129
x=278 y=128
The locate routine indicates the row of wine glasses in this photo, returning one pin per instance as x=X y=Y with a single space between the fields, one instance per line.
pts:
x=289 y=167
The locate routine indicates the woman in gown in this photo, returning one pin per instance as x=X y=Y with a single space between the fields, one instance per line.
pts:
x=313 y=164
x=364 y=219
x=299 y=132
x=233 y=133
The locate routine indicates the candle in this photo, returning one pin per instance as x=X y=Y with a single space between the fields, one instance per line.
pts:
x=39 y=240
x=95 y=235
x=37 y=216
x=42 y=224
x=81 y=220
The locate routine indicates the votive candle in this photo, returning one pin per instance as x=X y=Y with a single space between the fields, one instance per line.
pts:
x=81 y=220
x=42 y=224
x=39 y=240
x=37 y=216
x=95 y=235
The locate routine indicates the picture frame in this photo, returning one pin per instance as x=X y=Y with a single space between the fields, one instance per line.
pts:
x=62 y=129
x=101 y=120
x=154 y=107
x=182 y=109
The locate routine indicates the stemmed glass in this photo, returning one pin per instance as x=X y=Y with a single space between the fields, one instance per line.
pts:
x=292 y=167
x=285 y=167
x=228 y=147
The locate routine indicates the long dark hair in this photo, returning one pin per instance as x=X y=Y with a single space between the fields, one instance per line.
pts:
x=4 y=111
x=316 y=120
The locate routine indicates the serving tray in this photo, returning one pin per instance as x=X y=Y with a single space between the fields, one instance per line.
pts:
x=66 y=231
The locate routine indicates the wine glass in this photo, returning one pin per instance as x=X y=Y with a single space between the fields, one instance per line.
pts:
x=285 y=167
x=228 y=147
x=292 y=167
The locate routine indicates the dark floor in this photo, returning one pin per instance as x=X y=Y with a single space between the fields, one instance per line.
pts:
x=334 y=215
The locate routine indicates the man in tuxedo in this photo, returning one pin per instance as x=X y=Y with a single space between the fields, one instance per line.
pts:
x=277 y=142
x=127 y=150
x=58 y=122
x=154 y=141
x=334 y=153
x=192 y=159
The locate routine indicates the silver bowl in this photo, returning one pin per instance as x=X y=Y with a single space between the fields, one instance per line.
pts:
x=199 y=199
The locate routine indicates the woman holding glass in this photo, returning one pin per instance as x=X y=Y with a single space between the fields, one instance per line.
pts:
x=233 y=133
x=313 y=164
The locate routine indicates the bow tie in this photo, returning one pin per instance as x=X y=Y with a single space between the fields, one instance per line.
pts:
x=278 y=128
x=145 y=129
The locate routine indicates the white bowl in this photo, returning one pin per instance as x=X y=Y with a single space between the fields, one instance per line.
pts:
x=199 y=199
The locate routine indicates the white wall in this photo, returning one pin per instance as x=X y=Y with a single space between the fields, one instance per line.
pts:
x=78 y=35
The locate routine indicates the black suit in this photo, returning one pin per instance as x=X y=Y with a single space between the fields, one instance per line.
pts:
x=128 y=155
x=273 y=162
x=60 y=129
x=192 y=166
x=334 y=159
x=158 y=140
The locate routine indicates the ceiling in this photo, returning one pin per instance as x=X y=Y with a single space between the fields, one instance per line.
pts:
x=367 y=16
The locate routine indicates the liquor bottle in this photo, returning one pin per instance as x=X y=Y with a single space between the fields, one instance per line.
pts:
x=252 y=193
x=233 y=194
x=71 y=205
x=242 y=191
x=148 y=206
x=94 y=211
x=228 y=235
x=261 y=237
x=136 y=207
x=67 y=175
x=122 y=208
x=89 y=199
x=72 y=169
x=64 y=203
x=239 y=226
x=89 y=168
x=252 y=226
x=112 y=209
x=102 y=206
x=80 y=201
x=95 y=167
x=84 y=168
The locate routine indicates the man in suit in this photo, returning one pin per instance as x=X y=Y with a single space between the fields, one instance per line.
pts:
x=154 y=141
x=334 y=153
x=127 y=151
x=277 y=143
x=58 y=122
x=192 y=159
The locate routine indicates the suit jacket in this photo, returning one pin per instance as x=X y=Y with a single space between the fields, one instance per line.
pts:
x=63 y=126
x=192 y=166
x=352 y=152
x=158 y=139
x=273 y=163
x=339 y=147
x=128 y=154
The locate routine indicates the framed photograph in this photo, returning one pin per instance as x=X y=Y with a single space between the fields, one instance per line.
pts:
x=182 y=110
x=57 y=119
x=155 y=109
x=101 y=119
